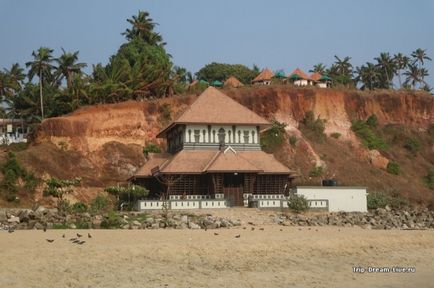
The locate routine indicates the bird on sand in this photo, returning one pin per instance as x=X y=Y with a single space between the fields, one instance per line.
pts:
x=244 y=228
x=11 y=230
x=81 y=242
x=72 y=239
x=253 y=228
x=238 y=236
x=79 y=235
x=50 y=240
x=75 y=241
x=216 y=234
x=281 y=229
x=45 y=229
x=251 y=223
x=262 y=229
x=88 y=235
x=63 y=236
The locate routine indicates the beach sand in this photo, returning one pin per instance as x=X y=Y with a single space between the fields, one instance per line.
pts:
x=293 y=257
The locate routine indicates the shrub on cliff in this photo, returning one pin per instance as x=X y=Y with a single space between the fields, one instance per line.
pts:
x=313 y=128
x=366 y=133
x=273 y=137
x=151 y=148
x=429 y=178
x=393 y=168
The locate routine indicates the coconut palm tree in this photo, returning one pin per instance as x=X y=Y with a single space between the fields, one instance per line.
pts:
x=413 y=75
x=341 y=71
x=419 y=56
x=387 y=68
x=318 y=68
x=68 y=66
x=143 y=28
x=368 y=75
x=401 y=63
x=41 y=66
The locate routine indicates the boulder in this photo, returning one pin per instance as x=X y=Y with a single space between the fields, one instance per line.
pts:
x=377 y=160
x=193 y=225
x=14 y=219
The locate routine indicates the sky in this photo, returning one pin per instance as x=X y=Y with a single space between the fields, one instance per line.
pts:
x=274 y=34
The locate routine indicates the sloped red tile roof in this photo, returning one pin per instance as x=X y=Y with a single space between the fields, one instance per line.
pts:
x=214 y=107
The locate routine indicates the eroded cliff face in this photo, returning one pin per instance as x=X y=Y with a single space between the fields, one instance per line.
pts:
x=88 y=129
x=106 y=141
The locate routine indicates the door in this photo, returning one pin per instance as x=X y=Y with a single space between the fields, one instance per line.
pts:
x=233 y=184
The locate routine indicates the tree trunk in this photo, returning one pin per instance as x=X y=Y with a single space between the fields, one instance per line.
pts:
x=40 y=94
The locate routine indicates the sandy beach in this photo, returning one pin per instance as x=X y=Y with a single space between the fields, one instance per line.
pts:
x=274 y=257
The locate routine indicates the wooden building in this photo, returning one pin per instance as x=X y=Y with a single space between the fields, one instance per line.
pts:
x=213 y=149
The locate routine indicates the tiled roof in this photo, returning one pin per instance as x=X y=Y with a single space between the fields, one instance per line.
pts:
x=214 y=107
x=208 y=161
x=300 y=73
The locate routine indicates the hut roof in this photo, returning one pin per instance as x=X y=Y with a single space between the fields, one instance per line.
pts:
x=298 y=74
x=265 y=75
x=233 y=82
x=214 y=107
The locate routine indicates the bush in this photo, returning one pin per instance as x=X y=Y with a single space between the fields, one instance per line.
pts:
x=369 y=138
x=313 y=128
x=128 y=194
x=100 y=204
x=335 y=135
x=273 y=137
x=298 y=203
x=151 y=148
x=64 y=206
x=412 y=145
x=393 y=168
x=372 y=121
x=111 y=221
x=429 y=178
x=165 y=115
x=378 y=200
x=83 y=224
x=79 y=207
x=316 y=171
x=292 y=140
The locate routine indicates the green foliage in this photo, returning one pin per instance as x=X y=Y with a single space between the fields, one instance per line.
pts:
x=429 y=178
x=298 y=203
x=79 y=207
x=336 y=135
x=317 y=171
x=100 y=204
x=378 y=200
x=151 y=148
x=393 y=168
x=60 y=226
x=12 y=171
x=273 y=137
x=372 y=121
x=369 y=138
x=220 y=71
x=111 y=221
x=412 y=145
x=292 y=140
x=128 y=194
x=313 y=128
x=59 y=188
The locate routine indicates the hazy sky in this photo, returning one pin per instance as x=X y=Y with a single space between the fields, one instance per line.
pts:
x=274 y=34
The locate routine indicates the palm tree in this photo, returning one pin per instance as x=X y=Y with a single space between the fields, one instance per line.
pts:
x=368 y=75
x=413 y=75
x=68 y=66
x=401 y=63
x=419 y=56
x=387 y=66
x=318 y=68
x=341 y=71
x=143 y=28
x=41 y=66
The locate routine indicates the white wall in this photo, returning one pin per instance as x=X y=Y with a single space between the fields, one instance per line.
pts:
x=348 y=199
x=227 y=128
